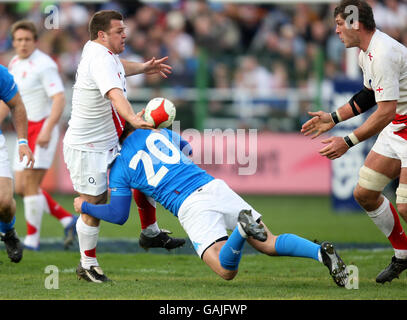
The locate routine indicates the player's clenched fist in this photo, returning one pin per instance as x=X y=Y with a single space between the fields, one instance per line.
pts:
x=77 y=204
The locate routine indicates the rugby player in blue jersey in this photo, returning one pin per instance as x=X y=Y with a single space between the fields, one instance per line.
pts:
x=10 y=96
x=156 y=163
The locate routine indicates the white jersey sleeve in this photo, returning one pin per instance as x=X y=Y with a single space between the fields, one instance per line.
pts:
x=104 y=72
x=51 y=81
x=386 y=72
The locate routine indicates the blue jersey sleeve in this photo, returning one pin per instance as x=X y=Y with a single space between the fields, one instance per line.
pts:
x=8 y=88
x=119 y=184
x=117 y=211
x=183 y=145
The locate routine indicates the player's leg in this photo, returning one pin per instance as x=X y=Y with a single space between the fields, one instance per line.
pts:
x=43 y=161
x=211 y=258
x=19 y=184
x=67 y=220
x=376 y=173
x=288 y=244
x=8 y=234
x=33 y=206
x=245 y=222
x=88 y=233
x=151 y=235
x=88 y=172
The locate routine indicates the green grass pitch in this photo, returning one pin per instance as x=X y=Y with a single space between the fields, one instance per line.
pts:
x=169 y=276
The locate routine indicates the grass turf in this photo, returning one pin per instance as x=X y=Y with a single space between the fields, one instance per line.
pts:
x=146 y=276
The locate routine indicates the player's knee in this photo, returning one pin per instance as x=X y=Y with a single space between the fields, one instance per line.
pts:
x=401 y=194
x=7 y=205
x=372 y=180
x=228 y=274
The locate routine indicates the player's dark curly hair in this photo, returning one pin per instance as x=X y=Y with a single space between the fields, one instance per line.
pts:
x=100 y=21
x=365 y=12
x=128 y=128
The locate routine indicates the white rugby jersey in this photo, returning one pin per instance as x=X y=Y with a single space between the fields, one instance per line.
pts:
x=38 y=79
x=95 y=123
x=384 y=66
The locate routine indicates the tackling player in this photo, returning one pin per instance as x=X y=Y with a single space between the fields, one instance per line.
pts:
x=155 y=162
x=10 y=96
x=99 y=110
x=42 y=91
x=383 y=61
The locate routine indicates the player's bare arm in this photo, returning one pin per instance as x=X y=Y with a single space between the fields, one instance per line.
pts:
x=323 y=121
x=337 y=146
x=58 y=104
x=151 y=66
x=4 y=111
x=20 y=121
x=124 y=108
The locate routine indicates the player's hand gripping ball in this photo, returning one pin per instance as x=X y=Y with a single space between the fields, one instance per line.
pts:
x=160 y=112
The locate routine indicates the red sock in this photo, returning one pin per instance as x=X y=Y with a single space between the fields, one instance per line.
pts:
x=146 y=210
x=55 y=209
x=397 y=238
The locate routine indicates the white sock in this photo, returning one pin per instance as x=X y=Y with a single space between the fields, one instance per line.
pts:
x=390 y=226
x=33 y=211
x=88 y=238
x=383 y=218
x=152 y=230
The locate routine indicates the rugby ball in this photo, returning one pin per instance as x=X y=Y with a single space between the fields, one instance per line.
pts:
x=160 y=112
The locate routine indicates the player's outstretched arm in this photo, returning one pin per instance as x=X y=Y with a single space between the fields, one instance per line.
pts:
x=124 y=108
x=4 y=111
x=58 y=105
x=319 y=123
x=377 y=121
x=322 y=121
x=117 y=211
x=20 y=121
x=151 y=66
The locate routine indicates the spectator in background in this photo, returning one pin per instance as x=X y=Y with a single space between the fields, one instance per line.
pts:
x=72 y=15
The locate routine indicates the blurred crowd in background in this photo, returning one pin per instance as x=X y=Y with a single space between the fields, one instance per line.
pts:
x=259 y=49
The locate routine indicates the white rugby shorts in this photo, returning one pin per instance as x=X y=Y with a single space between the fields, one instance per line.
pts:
x=44 y=157
x=88 y=169
x=391 y=145
x=209 y=212
x=5 y=170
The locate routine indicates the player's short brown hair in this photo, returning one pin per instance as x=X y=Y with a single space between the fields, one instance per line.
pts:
x=100 y=21
x=365 y=12
x=25 y=25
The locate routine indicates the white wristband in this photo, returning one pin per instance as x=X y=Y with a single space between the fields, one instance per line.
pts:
x=22 y=141
x=353 y=138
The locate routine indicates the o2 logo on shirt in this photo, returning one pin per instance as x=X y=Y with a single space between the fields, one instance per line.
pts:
x=154 y=178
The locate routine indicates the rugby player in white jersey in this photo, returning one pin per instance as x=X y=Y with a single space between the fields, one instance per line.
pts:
x=99 y=109
x=383 y=61
x=42 y=91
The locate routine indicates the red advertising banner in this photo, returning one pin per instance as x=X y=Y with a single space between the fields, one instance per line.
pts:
x=279 y=164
